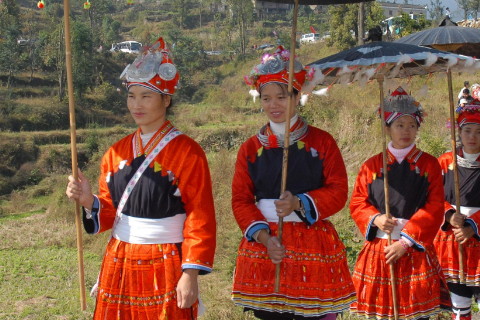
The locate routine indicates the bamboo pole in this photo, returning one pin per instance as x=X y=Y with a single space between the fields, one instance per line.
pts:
x=455 y=169
x=291 y=105
x=73 y=145
x=393 y=280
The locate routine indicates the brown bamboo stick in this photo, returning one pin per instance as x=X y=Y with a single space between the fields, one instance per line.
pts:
x=393 y=280
x=291 y=105
x=455 y=169
x=73 y=147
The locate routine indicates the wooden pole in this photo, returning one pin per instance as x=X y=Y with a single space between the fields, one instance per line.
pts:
x=455 y=169
x=393 y=280
x=73 y=145
x=291 y=105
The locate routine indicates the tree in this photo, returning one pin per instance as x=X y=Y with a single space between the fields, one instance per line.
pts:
x=406 y=25
x=241 y=16
x=110 y=30
x=189 y=57
x=181 y=10
x=343 y=23
x=435 y=9
x=53 y=54
x=10 y=61
x=464 y=5
x=474 y=6
x=82 y=57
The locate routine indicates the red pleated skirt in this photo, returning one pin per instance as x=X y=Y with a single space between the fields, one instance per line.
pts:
x=421 y=289
x=447 y=251
x=138 y=282
x=314 y=279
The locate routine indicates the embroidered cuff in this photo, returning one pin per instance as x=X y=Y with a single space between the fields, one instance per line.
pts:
x=446 y=225
x=90 y=217
x=309 y=214
x=415 y=244
x=202 y=269
x=371 y=232
x=407 y=241
x=474 y=226
x=255 y=227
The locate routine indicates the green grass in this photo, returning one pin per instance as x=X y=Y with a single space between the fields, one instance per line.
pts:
x=16 y=216
x=42 y=283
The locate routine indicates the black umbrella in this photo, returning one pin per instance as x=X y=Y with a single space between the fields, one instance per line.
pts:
x=380 y=60
x=291 y=103
x=455 y=39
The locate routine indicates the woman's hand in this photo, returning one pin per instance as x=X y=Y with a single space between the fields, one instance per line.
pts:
x=275 y=250
x=385 y=224
x=80 y=190
x=463 y=234
x=394 y=252
x=286 y=204
x=187 y=289
x=457 y=220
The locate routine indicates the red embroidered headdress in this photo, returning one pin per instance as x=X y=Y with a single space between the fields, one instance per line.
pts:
x=469 y=114
x=399 y=104
x=153 y=69
x=274 y=68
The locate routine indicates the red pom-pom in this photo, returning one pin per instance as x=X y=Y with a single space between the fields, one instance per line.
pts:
x=40 y=4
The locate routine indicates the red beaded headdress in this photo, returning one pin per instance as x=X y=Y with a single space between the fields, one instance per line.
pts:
x=153 y=69
x=399 y=104
x=469 y=114
x=274 y=68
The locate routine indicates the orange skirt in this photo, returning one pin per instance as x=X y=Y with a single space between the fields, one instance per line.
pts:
x=314 y=278
x=138 y=281
x=421 y=288
x=447 y=251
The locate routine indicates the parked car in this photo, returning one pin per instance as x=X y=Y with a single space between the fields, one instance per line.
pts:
x=126 y=46
x=309 y=38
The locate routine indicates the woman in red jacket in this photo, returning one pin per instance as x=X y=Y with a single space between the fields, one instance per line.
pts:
x=156 y=197
x=416 y=204
x=315 y=281
x=461 y=226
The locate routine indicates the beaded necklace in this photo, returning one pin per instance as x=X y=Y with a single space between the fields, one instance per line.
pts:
x=161 y=132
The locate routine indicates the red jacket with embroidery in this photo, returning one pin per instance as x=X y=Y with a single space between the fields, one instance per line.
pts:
x=315 y=168
x=177 y=181
x=415 y=191
x=469 y=184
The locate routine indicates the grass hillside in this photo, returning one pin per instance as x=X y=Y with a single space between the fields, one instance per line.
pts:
x=38 y=264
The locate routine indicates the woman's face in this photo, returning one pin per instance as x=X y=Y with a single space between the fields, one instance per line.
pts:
x=470 y=136
x=274 y=99
x=403 y=132
x=147 y=108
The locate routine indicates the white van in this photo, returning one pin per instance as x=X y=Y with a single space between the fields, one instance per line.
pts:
x=309 y=37
x=127 y=47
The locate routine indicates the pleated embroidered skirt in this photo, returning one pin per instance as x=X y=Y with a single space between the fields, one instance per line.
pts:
x=139 y=282
x=421 y=289
x=447 y=251
x=314 y=281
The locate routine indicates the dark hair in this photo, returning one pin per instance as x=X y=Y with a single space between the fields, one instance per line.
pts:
x=282 y=86
x=466 y=91
x=466 y=83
